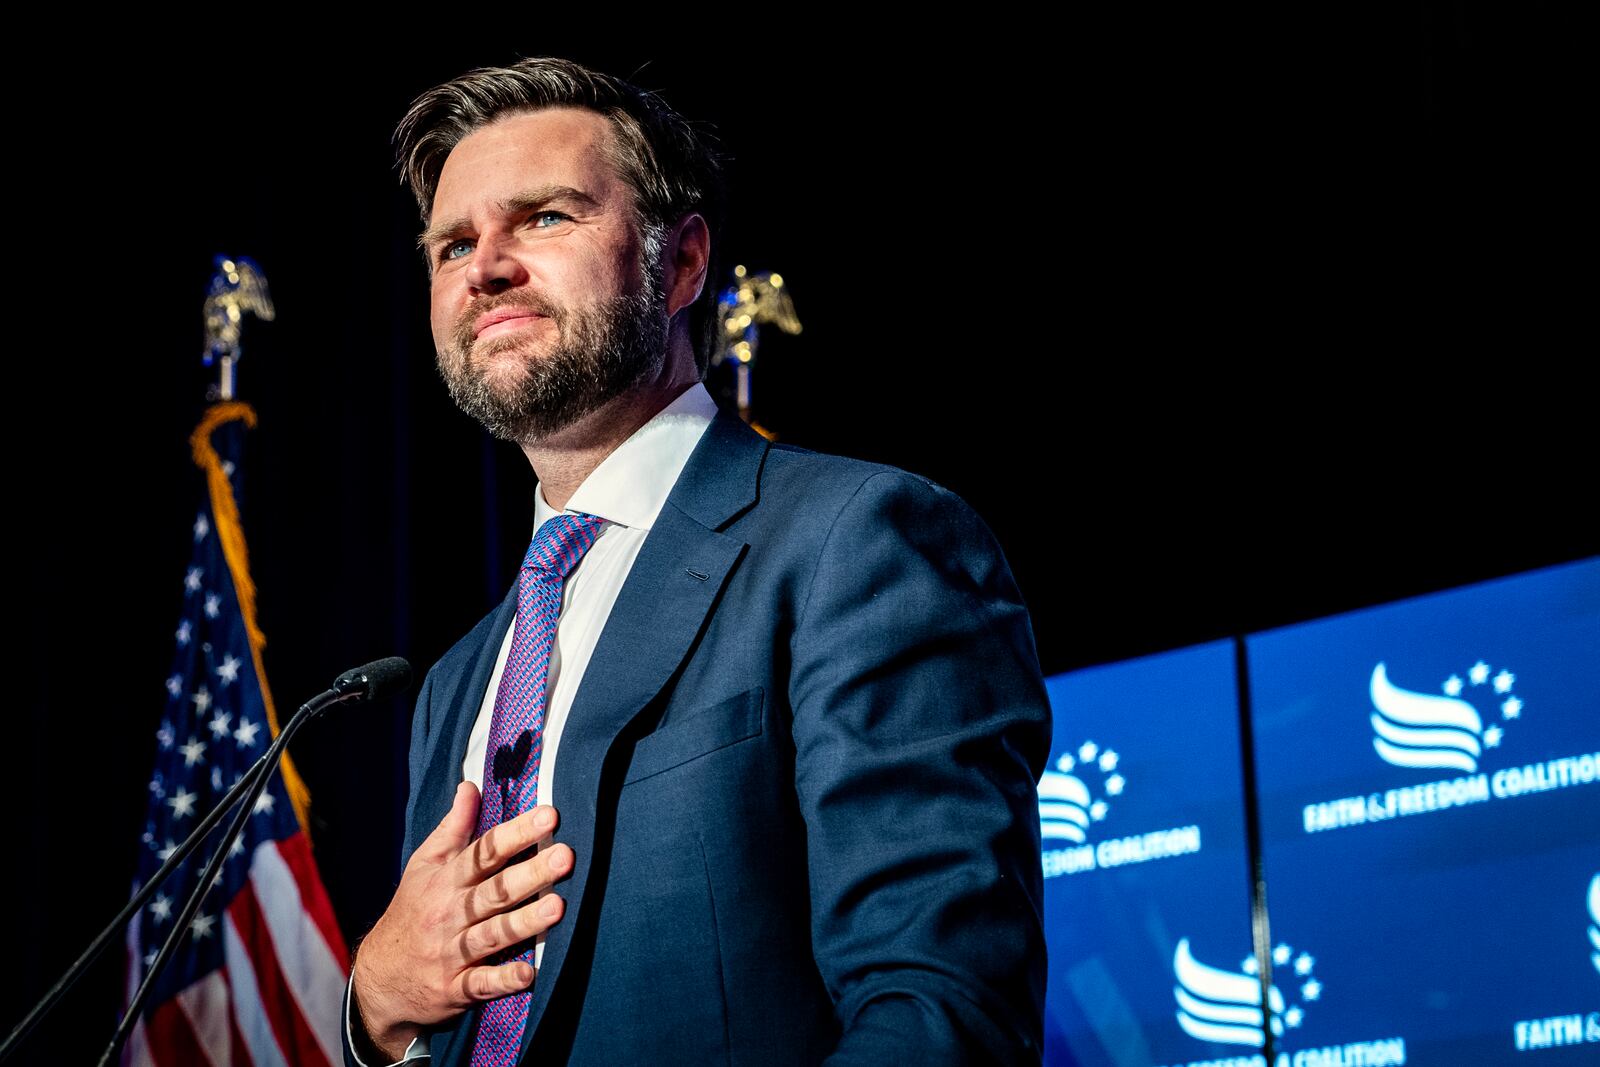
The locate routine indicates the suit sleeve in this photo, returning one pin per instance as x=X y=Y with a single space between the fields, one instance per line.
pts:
x=921 y=727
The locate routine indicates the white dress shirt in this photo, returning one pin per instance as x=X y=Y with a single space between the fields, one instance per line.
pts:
x=627 y=489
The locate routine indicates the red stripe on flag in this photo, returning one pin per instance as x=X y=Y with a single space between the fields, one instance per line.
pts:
x=296 y=852
x=172 y=1038
x=295 y=1039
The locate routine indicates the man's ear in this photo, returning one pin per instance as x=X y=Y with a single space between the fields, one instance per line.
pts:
x=688 y=259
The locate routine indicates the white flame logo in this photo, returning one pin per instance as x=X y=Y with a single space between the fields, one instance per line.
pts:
x=1423 y=730
x=1594 y=921
x=1063 y=807
x=1067 y=804
x=1221 y=1006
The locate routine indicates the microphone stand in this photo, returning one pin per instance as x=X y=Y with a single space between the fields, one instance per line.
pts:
x=377 y=680
x=148 y=890
x=310 y=709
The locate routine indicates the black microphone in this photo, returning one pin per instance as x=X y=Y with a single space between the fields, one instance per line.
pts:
x=377 y=680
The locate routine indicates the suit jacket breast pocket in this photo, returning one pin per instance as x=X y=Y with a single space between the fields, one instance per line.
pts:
x=698 y=733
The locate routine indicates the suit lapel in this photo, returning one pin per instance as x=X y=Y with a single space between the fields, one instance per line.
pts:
x=662 y=606
x=457 y=696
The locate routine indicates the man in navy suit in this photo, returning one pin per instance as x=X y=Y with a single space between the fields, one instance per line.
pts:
x=795 y=697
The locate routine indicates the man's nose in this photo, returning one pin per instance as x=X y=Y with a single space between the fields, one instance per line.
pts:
x=494 y=266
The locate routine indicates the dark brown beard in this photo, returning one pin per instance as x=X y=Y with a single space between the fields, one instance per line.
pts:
x=599 y=354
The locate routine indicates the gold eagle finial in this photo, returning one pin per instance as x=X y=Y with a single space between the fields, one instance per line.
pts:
x=237 y=287
x=752 y=301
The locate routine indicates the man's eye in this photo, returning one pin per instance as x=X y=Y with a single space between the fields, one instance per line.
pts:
x=449 y=251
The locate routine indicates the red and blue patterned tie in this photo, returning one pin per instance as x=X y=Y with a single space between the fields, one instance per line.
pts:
x=516 y=737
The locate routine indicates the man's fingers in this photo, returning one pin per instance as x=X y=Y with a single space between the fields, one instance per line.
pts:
x=510 y=928
x=496 y=848
x=455 y=829
x=519 y=881
x=487 y=983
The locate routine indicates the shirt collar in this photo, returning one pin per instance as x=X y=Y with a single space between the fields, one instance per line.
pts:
x=631 y=484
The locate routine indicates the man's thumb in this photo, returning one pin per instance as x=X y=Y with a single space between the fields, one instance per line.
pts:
x=455 y=829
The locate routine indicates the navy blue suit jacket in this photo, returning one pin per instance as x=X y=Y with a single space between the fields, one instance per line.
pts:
x=798 y=778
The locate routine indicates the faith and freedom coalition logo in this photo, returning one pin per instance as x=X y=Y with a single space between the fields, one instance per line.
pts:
x=1076 y=796
x=1224 y=1007
x=1458 y=727
x=1066 y=804
x=1426 y=730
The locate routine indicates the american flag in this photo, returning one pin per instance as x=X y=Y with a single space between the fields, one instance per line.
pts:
x=259 y=979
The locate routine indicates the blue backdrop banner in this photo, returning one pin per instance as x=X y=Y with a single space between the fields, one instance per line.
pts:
x=1147 y=907
x=1428 y=796
x=1430 y=808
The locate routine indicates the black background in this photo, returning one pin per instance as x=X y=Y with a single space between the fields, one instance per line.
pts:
x=1219 y=326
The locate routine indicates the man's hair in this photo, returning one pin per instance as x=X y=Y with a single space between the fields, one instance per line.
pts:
x=672 y=167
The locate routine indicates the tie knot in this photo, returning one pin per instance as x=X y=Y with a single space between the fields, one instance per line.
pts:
x=560 y=542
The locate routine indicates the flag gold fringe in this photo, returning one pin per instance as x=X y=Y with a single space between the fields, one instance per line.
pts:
x=231 y=532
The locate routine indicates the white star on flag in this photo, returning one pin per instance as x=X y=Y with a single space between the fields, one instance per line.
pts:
x=1311 y=990
x=228 y=670
x=1114 y=784
x=201 y=526
x=202 y=700
x=1281 y=954
x=201 y=927
x=263 y=804
x=1504 y=681
x=155 y=787
x=175 y=684
x=161 y=908
x=193 y=752
x=1511 y=708
x=182 y=803
x=216 y=778
x=219 y=725
x=1492 y=736
x=1303 y=964
x=1066 y=763
x=1452 y=686
x=1098 y=809
x=1479 y=673
x=165 y=735
x=246 y=733
x=1108 y=760
x=166 y=853
x=183 y=633
x=191 y=581
x=150 y=957
x=213 y=605
x=1250 y=966
x=237 y=848
x=1294 y=1015
x=1088 y=751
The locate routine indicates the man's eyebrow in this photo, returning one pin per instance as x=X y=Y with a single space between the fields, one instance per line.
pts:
x=515 y=205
